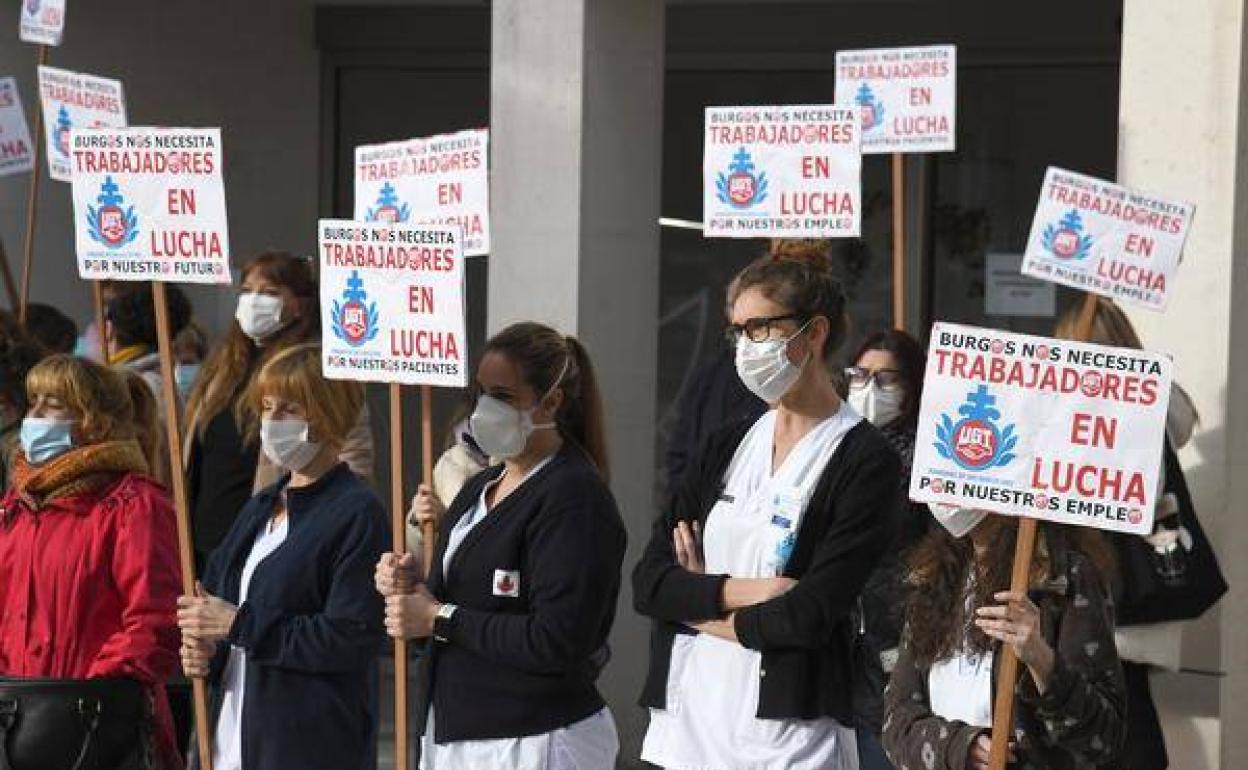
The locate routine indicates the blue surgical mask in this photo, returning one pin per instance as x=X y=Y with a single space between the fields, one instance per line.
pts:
x=46 y=438
x=184 y=375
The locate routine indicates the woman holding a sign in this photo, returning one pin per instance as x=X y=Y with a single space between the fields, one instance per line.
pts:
x=287 y=626
x=522 y=590
x=754 y=569
x=88 y=581
x=1071 y=702
x=278 y=307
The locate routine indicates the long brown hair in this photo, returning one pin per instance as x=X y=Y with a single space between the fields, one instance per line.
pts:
x=939 y=615
x=236 y=358
x=542 y=354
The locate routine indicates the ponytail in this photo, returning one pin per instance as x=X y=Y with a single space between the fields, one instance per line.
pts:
x=147 y=427
x=584 y=419
x=548 y=360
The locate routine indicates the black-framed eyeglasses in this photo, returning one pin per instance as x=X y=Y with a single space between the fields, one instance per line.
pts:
x=756 y=329
x=887 y=379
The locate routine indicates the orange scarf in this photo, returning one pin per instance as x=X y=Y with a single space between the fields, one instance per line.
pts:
x=82 y=469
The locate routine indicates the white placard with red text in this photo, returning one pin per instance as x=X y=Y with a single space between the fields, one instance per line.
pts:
x=789 y=171
x=75 y=100
x=42 y=21
x=149 y=204
x=1101 y=237
x=16 y=153
x=440 y=179
x=908 y=96
x=1030 y=426
x=392 y=303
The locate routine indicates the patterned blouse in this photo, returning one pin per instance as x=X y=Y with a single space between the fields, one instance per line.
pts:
x=1080 y=720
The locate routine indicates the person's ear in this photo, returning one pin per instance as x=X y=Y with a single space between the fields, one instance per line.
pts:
x=553 y=403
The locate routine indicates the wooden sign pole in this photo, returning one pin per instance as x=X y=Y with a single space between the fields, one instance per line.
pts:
x=10 y=286
x=97 y=299
x=899 y=241
x=186 y=552
x=1020 y=581
x=32 y=203
x=398 y=521
x=426 y=472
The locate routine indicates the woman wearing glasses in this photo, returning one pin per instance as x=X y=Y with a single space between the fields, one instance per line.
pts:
x=753 y=569
x=886 y=387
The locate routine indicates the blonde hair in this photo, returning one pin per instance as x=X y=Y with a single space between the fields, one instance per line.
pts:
x=148 y=428
x=96 y=394
x=1110 y=326
x=332 y=406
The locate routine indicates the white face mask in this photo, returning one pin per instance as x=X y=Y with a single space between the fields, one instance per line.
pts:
x=501 y=430
x=878 y=405
x=958 y=521
x=765 y=368
x=259 y=315
x=286 y=443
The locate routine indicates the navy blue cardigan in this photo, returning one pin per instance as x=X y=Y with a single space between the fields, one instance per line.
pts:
x=311 y=625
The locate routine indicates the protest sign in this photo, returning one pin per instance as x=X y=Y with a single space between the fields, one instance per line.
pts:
x=42 y=21
x=1101 y=237
x=16 y=153
x=440 y=179
x=393 y=303
x=1029 y=426
x=788 y=171
x=149 y=204
x=76 y=100
x=907 y=97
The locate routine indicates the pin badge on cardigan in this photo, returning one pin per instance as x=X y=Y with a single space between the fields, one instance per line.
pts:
x=507 y=583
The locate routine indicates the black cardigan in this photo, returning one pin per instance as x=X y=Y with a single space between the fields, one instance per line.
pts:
x=805 y=635
x=311 y=626
x=526 y=664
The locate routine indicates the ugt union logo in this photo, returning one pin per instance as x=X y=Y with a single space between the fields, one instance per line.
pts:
x=110 y=224
x=741 y=187
x=389 y=208
x=976 y=442
x=355 y=322
x=872 y=107
x=1065 y=238
x=63 y=126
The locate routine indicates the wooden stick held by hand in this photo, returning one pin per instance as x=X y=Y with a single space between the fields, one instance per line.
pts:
x=186 y=552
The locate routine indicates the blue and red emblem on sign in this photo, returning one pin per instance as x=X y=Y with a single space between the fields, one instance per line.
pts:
x=63 y=125
x=389 y=208
x=110 y=224
x=1065 y=239
x=355 y=322
x=741 y=187
x=872 y=107
x=976 y=442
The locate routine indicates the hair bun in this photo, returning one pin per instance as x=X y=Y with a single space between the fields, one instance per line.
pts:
x=813 y=252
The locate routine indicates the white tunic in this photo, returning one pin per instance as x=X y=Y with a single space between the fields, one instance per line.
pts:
x=960 y=688
x=227 y=753
x=590 y=744
x=713 y=684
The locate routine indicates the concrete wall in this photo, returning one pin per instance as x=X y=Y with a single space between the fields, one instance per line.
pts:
x=1181 y=134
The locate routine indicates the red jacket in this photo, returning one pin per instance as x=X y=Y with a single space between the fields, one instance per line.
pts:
x=89 y=587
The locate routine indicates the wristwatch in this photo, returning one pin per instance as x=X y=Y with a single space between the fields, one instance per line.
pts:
x=442 y=621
